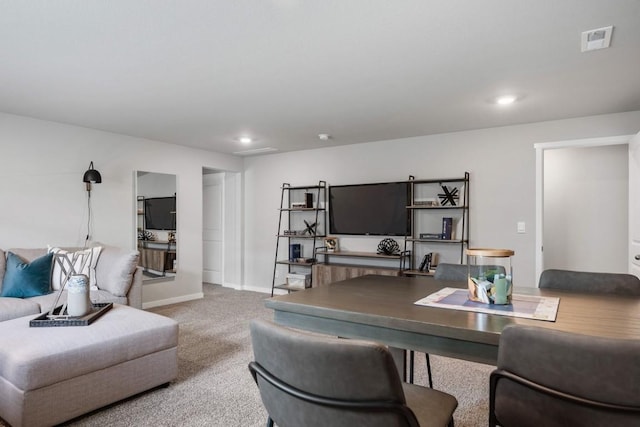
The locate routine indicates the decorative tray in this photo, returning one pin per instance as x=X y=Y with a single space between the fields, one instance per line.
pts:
x=62 y=319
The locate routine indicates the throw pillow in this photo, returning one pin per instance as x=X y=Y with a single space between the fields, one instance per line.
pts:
x=117 y=279
x=85 y=263
x=26 y=279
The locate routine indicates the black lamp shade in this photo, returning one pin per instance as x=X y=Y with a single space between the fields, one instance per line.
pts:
x=92 y=175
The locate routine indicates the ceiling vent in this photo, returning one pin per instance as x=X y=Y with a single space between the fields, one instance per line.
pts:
x=599 y=38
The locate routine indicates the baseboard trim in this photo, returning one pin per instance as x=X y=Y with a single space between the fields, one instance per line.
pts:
x=181 y=298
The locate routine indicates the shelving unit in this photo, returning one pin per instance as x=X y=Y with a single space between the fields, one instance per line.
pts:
x=301 y=221
x=427 y=212
x=140 y=212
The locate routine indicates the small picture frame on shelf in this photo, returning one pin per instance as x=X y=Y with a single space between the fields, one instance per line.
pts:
x=331 y=243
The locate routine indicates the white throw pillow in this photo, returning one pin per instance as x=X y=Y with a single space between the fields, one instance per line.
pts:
x=85 y=263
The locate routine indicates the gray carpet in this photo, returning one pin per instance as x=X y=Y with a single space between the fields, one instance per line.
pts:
x=214 y=387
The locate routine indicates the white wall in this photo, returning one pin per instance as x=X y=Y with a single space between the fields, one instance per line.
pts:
x=43 y=200
x=502 y=191
x=585 y=208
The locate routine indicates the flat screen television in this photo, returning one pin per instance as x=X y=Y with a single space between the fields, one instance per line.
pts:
x=160 y=213
x=369 y=209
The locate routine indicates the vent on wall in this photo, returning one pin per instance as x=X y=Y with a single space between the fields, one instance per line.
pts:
x=600 y=38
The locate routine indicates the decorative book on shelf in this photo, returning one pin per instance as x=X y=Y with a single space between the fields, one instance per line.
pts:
x=447 y=227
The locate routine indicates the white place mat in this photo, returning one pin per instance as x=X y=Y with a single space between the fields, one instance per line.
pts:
x=526 y=306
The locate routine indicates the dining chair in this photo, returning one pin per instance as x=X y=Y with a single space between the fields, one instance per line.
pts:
x=447 y=272
x=582 y=281
x=460 y=272
x=451 y=272
x=313 y=380
x=557 y=379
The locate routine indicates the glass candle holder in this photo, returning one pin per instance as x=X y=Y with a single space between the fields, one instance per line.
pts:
x=78 y=297
x=490 y=277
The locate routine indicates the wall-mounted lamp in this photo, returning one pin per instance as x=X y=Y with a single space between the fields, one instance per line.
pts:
x=91 y=175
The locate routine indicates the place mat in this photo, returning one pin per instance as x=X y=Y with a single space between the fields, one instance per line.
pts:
x=526 y=306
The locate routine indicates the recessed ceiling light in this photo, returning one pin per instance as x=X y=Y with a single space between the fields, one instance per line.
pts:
x=324 y=136
x=245 y=140
x=506 y=100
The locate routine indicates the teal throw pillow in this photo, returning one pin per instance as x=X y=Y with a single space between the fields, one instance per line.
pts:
x=24 y=279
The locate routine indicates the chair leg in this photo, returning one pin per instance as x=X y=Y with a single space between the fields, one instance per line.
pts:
x=429 y=372
x=269 y=422
x=411 y=362
x=411 y=357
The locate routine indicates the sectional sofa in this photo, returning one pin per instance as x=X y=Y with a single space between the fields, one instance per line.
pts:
x=118 y=279
x=49 y=375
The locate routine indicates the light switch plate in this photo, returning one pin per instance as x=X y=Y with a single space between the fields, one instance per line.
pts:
x=521 y=227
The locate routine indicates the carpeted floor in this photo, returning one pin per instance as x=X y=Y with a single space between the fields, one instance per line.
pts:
x=214 y=387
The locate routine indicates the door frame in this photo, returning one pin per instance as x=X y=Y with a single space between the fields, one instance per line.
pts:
x=232 y=227
x=540 y=148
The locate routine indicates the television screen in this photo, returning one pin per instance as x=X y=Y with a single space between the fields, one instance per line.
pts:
x=160 y=213
x=369 y=209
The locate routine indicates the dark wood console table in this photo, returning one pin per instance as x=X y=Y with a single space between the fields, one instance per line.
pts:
x=157 y=255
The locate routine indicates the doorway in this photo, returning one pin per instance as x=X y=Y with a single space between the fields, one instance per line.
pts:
x=577 y=197
x=212 y=227
x=222 y=227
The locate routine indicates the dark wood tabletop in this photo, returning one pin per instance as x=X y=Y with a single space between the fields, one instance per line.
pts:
x=382 y=308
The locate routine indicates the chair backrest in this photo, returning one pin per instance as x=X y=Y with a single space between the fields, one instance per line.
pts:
x=311 y=380
x=459 y=272
x=551 y=378
x=582 y=281
x=451 y=272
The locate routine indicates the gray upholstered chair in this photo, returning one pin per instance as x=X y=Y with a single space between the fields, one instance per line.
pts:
x=460 y=272
x=446 y=272
x=451 y=272
x=312 y=380
x=581 y=281
x=558 y=379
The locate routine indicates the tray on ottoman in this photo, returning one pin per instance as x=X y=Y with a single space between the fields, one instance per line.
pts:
x=62 y=319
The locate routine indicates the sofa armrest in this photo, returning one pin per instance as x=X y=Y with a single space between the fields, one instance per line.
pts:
x=134 y=296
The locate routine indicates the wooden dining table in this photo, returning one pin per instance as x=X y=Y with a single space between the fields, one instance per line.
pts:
x=381 y=308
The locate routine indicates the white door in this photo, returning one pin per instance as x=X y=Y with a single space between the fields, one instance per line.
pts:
x=634 y=205
x=212 y=235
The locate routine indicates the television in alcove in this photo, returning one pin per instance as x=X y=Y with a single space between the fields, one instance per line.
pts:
x=160 y=213
x=378 y=209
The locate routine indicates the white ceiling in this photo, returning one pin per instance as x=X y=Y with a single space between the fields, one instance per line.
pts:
x=202 y=72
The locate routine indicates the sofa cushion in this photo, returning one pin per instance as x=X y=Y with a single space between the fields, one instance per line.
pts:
x=114 y=272
x=11 y=308
x=26 y=279
x=86 y=261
